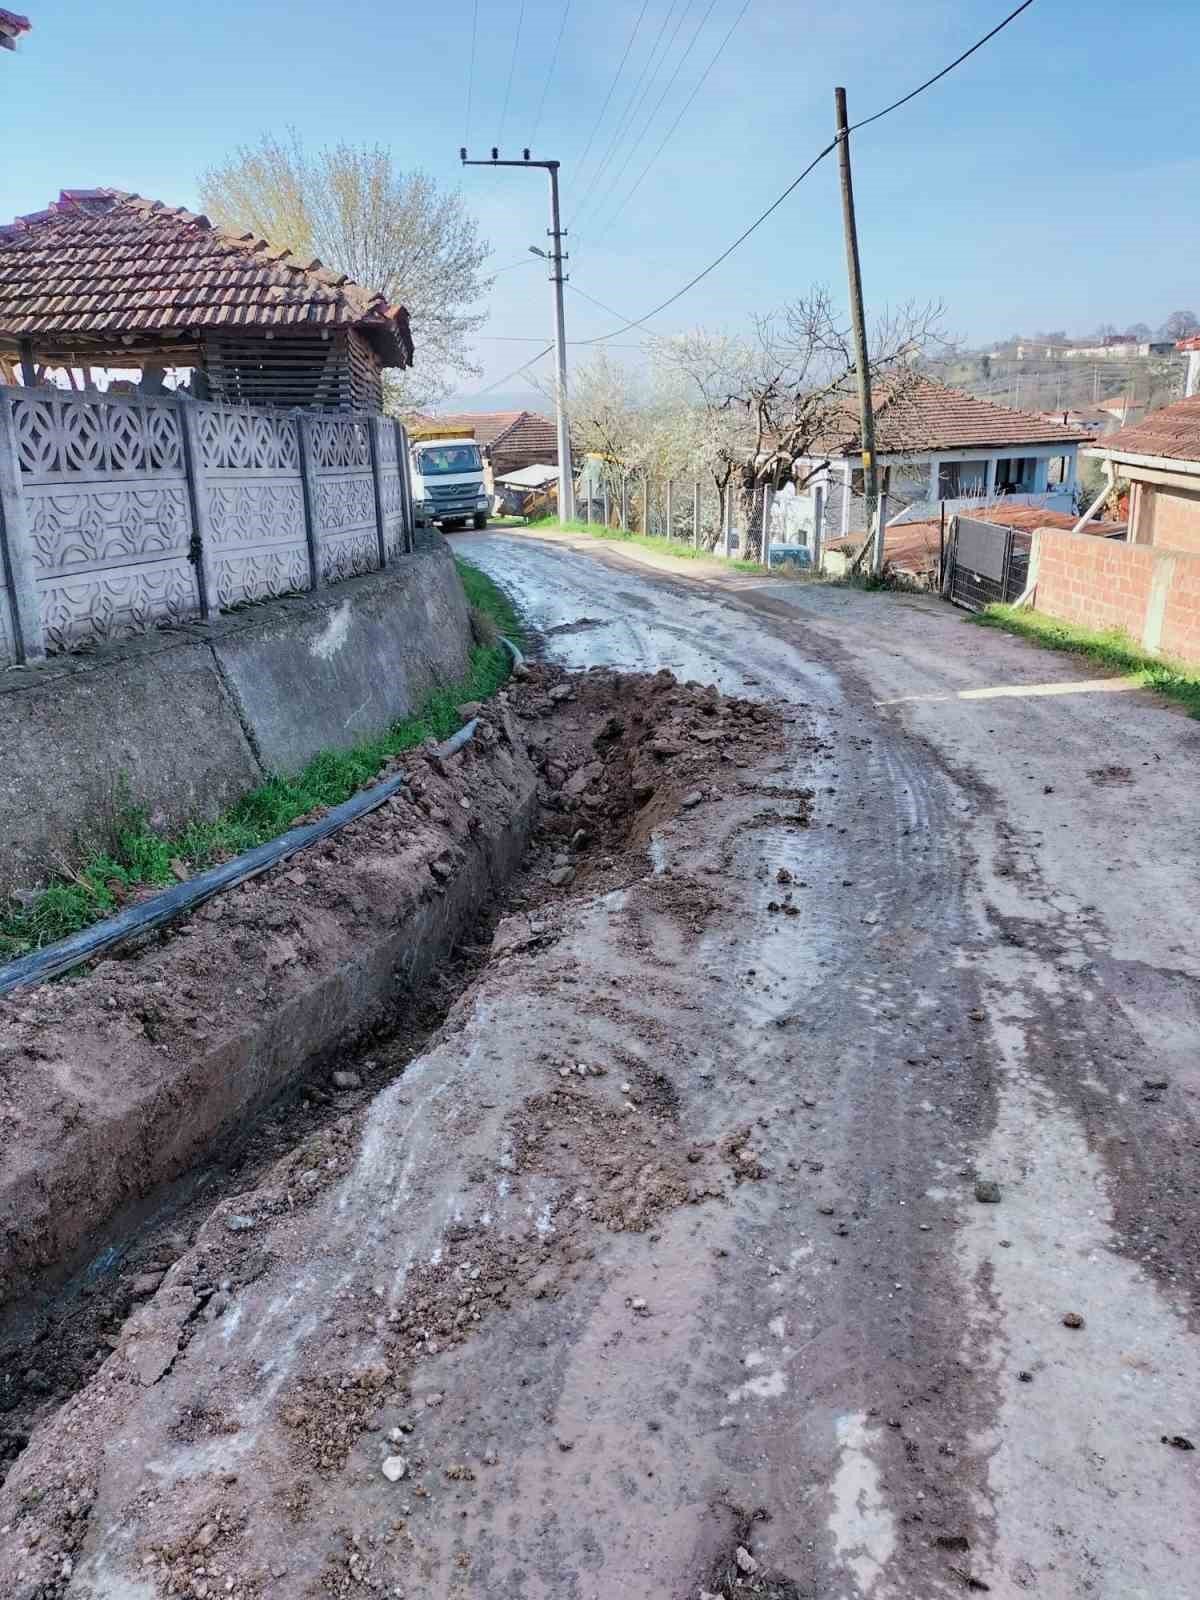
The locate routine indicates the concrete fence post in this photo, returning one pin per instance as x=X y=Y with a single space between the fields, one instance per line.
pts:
x=818 y=524
x=696 y=508
x=374 y=424
x=624 y=502
x=670 y=508
x=767 y=501
x=607 y=506
x=201 y=551
x=308 y=482
x=728 y=541
x=29 y=639
x=404 y=466
x=645 y=502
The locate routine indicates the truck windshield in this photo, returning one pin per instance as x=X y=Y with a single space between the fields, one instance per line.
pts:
x=443 y=458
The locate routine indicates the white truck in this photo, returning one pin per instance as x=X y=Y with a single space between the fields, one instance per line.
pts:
x=447 y=479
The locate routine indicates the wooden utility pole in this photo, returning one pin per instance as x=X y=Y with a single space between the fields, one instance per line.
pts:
x=854 y=274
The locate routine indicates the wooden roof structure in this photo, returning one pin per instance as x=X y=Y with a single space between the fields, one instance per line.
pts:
x=106 y=278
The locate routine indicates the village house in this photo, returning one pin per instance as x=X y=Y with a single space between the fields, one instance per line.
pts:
x=508 y=440
x=1159 y=457
x=104 y=280
x=941 y=449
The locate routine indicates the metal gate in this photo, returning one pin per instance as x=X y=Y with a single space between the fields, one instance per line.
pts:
x=984 y=566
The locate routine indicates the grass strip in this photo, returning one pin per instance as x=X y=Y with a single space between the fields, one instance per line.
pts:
x=648 y=541
x=135 y=857
x=1112 y=648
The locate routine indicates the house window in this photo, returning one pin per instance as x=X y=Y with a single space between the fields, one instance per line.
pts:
x=959 y=480
x=1015 y=474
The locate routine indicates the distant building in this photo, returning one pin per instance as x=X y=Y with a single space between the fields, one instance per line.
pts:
x=1191 y=348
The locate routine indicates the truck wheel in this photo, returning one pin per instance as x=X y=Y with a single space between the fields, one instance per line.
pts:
x=481 y=520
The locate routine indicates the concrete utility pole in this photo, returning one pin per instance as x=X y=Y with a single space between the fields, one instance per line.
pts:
x=854 y=274
x=566 y=477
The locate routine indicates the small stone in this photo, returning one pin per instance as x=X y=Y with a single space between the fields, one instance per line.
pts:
x=561 y=876
x=564 y=1072
x=469 y=709
x=239 y=1223
x=207 y=1536
x=1178 y=1441
x=1155 y=1083
x=637 y=1303
x=441 y=869
x=1025 y=1377
x=987 y=1192
x=566 y=1444
x=580 y=839
x=1072 y=1320
x=434 y=1399
x=746 y=1562
x=346 y=1080
x=691 y=800
x=394 y=1468
x=561 y=692
x=490 y=1458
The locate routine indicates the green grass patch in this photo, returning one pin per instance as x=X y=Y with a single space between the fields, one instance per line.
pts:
x=1111 y=648
x=133 y=856
x=648 y=541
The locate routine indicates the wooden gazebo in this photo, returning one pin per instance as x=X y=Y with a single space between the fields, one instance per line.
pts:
x=107 y=279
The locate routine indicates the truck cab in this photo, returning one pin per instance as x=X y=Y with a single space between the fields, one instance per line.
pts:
x=447 y=480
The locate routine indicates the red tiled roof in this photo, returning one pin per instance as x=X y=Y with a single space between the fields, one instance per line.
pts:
x=98 y=263
x=1191 y=343
x=511 y=432
x=1172 y=433
x=916 y=414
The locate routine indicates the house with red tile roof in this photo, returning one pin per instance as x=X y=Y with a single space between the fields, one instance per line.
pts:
x=509 y=440
x=1159 y=457
x=942 y=447
x=102 y=278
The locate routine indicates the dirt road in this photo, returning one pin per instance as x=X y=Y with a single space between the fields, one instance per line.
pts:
x=811 y=1213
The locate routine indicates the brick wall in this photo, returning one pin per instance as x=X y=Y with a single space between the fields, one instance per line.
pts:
x=1151 y=592
x=1174 y=518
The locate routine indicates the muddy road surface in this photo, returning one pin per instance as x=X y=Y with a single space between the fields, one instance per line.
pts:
x=802 y=1200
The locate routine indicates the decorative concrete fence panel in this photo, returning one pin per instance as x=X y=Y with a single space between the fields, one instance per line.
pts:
x=249 y=481
x=117 y=515
x=108 y=520
x=340 y=452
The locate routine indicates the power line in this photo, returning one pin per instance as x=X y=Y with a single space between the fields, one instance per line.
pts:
x=717 y=53
x=512 y=67
x=626 y=118
x=616 y=75
x=796 y=182
x=646 y=126
x=957 y=62
x=471 y=68
x=553 y=63
x=515 y=373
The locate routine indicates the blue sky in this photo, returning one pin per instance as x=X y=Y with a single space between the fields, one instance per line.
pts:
x=1046 y=183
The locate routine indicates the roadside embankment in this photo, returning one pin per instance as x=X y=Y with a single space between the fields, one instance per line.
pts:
x=117 y=1083
x=180 y=725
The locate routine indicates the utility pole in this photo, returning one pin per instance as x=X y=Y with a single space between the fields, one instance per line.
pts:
x=854 y=273
x=556 y=257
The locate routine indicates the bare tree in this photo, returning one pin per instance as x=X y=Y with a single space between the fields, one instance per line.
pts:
x=794 y=393
x=1180 y=325
x=1139 y=330
x=395 y=232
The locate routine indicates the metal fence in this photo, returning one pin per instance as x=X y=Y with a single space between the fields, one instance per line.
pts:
x=117 y=515
x=984 y=564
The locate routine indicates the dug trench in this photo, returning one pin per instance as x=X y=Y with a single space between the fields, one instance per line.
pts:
x=177 y=1121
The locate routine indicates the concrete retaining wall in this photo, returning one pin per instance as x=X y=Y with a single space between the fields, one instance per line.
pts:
x=1151 y=592
x=182 y=724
